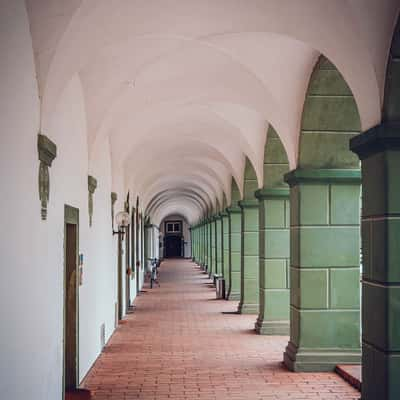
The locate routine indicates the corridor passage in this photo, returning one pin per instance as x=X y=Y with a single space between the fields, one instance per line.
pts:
x=181 y=343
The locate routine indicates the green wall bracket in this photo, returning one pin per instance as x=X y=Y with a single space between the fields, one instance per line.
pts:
x=47 y=152
x=92 y=185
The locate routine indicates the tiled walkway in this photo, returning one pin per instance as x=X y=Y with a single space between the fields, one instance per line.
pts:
x=179 y=345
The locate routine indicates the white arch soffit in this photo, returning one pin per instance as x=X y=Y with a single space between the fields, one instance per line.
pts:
x=343 y=41
x=166 y=195
x=166 y=183
x=150 y=156
x=176 y=169
x=173 y=215
x=193 y=187
x=181 y=201
x=188 y=212
x=212 y=189
x=201 y=122
x=216 y=165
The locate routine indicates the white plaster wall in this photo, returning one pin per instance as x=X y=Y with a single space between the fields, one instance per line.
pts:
x=31 y=288
x=30 y=349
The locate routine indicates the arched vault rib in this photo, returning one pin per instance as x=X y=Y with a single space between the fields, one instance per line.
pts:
x=347 y=50
x=175 y=169
x=181 y=201
x=136 y=166
x=168 y=194
x=166 y=183
x=212 y=189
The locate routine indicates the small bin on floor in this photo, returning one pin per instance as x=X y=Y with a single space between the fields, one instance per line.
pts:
x=215 y=278
x=220 y=287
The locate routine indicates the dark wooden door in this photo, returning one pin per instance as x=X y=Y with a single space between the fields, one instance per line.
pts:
x=71 y=307
x=173 y=246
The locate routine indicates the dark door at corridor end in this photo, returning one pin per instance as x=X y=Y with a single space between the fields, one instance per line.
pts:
x=173 y=239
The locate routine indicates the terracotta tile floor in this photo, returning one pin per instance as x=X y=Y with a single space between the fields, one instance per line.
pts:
x=178 y=345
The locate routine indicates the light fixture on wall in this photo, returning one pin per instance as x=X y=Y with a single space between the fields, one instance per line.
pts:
x=122 y=221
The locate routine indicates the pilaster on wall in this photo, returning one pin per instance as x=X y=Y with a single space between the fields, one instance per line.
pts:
x=325 y=269
x=273 y=318
x=379 y=151
x=235 y=224
x=249 y=289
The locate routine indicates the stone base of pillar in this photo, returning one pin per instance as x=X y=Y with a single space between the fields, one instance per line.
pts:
x=248 y=308
x=233 y=296
x=272 y=328
x=318 y=360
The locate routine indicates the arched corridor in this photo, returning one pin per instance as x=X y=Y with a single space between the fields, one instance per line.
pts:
x=252 y=147
x=182 y=343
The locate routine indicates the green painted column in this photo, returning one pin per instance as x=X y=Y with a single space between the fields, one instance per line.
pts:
x=194 y=239
x=274 y=221
x=206 y=245
x=249 y=283
x=202 y=252
x=211 y=258
x=235 y=256
x=379 y=151
x=214 y=243
x=225 y=246
x=325 y=269
x=219 y=244
x=193 y=243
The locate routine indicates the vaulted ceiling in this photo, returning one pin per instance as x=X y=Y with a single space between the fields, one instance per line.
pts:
x=185 y=89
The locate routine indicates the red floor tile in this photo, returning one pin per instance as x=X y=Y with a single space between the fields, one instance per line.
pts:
x=178 y=345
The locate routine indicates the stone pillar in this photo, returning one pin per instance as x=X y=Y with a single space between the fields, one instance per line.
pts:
x=249 y=282
x=201 y=234
x=206 y=245
x=235 y=226
x=219 y=244
x=211 y=256
x=194 y=242
x=274 y=221
x=226 y=250
x=325 y=269
x=379 y=151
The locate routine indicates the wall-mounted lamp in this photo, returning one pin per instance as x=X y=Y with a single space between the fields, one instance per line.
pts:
x=122 y=221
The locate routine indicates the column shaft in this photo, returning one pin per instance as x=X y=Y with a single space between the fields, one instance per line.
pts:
x=379 y=151
x=249 y=282
x=325 y=269
x=274 y=222
x=235 y=223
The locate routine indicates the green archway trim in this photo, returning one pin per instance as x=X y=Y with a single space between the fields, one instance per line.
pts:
x=391 y=108
x=330 y=119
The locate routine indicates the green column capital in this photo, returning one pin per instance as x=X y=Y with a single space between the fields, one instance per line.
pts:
x=272 y=193
x=377 y=139
x=248 y=204
x=223 y=214
x=233 y=210
x=303 y=175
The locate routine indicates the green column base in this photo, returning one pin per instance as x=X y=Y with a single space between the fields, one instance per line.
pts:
x=233 y=296
x=318 y=360
x=248 y=308
x=272 y=328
